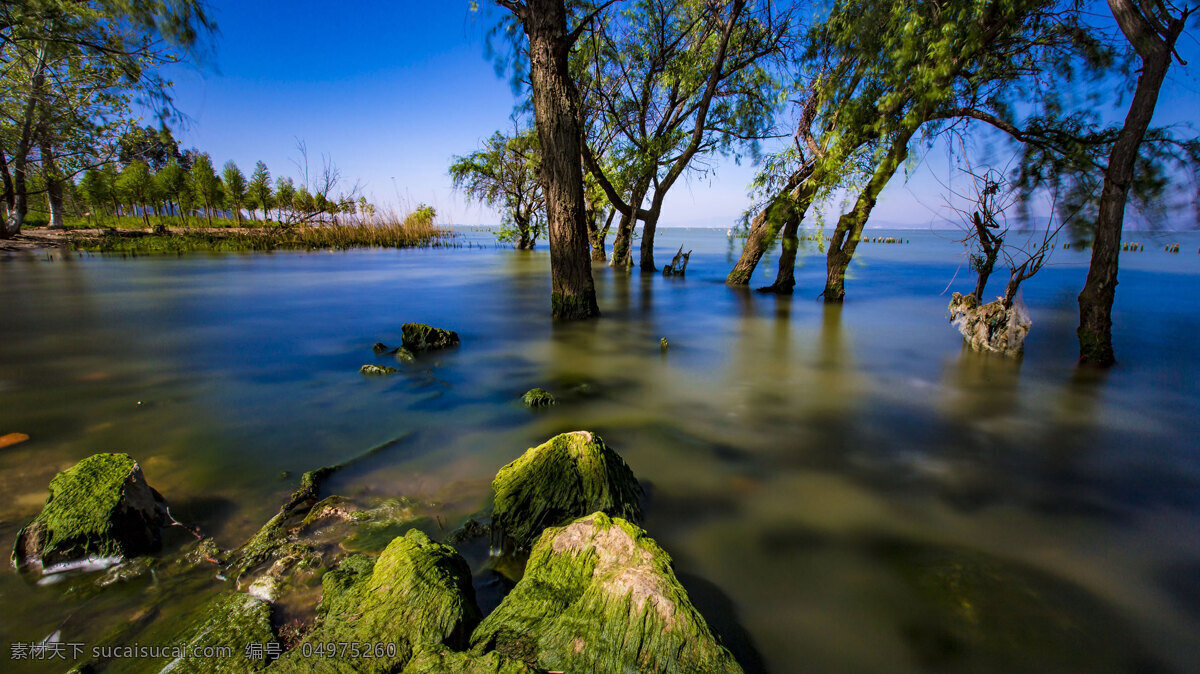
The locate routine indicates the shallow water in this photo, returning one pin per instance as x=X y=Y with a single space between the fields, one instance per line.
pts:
x=843 y=489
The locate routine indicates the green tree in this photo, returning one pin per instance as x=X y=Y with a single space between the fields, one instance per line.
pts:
x=258 y=192
x=72 y=70
x=235 y=189
x=205 y=185
x=135 y=184
x=96 y=190
x=503 y=174
x=555 y=100
x=172 y=183
x=285 y=197
x=664 y=83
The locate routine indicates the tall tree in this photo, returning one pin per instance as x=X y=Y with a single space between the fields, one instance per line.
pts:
x=258 y=192
x=204 y=183
x=72 y=65
x=172 y=185
x=504 y=174
x=556 y=111
x=135 y=185
x=669 y=81
x=1152 y=28
x=235 y=189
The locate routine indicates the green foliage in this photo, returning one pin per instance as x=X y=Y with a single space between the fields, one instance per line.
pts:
x=235 y=187
x=504 y=174
x=258 y=192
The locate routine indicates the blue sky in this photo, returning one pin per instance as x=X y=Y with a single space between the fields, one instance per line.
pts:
x=392 y=90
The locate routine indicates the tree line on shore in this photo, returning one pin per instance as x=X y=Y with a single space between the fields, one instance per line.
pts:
x=73 y=78
x=627 y=97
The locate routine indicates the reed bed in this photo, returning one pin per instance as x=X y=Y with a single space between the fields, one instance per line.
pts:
x=413 y=230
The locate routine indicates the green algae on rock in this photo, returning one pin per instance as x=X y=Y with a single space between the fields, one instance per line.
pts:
x=419 y=337
x=231 y=620
x=403 y=355
x=99 y=508
x=600 y=595
x=377 y=370
x=568 y=476
x=538 y=397
x=417 y=595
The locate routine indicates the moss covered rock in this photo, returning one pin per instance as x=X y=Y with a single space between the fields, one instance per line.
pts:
x=567 y=477
x=419 y=337
x=377 y=370
x=599 y=595
x=537 y=397
x=417 y=595
x=101 y=507
x=231 y=620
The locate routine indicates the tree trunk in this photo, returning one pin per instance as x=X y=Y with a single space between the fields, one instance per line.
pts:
x=850 y=226
x=525 y=242
x=1096 y=298
x=785 y=279
x=647 y=258
x=598 y=237
x=6 y=177
x=622 y=243
x=765 y=227
x=555 y=108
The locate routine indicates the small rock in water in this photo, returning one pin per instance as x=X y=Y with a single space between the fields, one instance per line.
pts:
x=12 y=439
x=538 y=397
x=420 y=337
x=377 y=370
x=664 y=343
x=404 y=355
x=381 y=348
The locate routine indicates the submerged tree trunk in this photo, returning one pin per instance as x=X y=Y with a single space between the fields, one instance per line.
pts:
x=598 y=236
x=646 y=263
x=1155 y=46
x=785 y=278
x=850 y=226
x=525 y=241
x=623 y=243
x=764 y=228
x=555 y=108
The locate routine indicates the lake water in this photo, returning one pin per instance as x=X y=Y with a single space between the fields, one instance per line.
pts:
x=843 y=489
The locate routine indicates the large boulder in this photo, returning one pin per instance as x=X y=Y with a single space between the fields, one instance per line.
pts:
x=100 y=508
x=993 y=327
x=564 y=478
x=417 y=595
x=233 y=621
x=599 y=595
x=419 y=337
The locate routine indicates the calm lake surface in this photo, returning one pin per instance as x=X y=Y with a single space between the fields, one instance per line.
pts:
x=843 y=489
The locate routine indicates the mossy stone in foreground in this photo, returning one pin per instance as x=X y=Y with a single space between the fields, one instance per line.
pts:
x=567 y=477
x=417 y=595
x=233 y=620
x=538 y=397
x=420 y=337
x=599 y=595
x=100 y=507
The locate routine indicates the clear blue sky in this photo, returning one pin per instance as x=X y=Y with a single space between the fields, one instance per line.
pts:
x=392 y=90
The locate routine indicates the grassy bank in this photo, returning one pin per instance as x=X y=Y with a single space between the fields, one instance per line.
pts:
x=411 y=231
